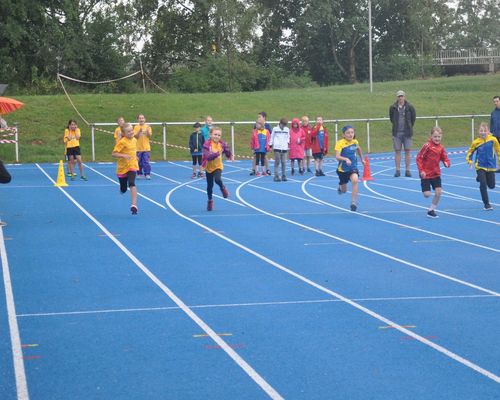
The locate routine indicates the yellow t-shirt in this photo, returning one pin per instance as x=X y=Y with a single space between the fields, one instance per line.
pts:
x=72 y=142
x=217 y=162
x=118 y=134
x=143 y=140
x=126 y=146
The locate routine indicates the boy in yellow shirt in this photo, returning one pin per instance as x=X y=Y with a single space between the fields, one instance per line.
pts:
x=213 y=149
x=143 y=133
x=127 y=166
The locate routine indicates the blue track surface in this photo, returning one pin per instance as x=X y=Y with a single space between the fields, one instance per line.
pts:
x=280 y=292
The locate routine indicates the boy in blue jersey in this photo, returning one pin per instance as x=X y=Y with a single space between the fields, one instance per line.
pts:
x=345 y=152
x=487 y=151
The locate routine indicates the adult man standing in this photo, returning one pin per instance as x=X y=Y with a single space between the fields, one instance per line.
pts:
x=402 y=115
x=495 y=120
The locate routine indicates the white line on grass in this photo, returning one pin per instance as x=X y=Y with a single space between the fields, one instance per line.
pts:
x=254 y=304
x=352 y=303
x=271 y=392
x=15 y=339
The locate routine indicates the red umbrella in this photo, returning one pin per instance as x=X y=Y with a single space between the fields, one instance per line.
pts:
x=7 y=105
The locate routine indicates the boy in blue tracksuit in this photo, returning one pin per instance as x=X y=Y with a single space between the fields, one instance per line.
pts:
x=487 y=151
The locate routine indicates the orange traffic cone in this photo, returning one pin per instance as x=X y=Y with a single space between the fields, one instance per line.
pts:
x=367 y=176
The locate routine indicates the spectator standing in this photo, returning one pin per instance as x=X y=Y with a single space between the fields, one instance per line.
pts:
x=402 y=115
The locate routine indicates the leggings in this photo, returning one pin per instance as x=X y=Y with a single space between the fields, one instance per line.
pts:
x=4 y=174
x=196 y=159
x=128 y=180
x=486 y=180
x=260 y=158
x=211 y=177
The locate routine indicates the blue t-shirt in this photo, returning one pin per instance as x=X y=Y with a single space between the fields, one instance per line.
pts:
x=262 y=136
x=321 y=139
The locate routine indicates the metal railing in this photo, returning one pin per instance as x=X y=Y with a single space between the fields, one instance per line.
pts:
x=467 y=56
x=336 y=122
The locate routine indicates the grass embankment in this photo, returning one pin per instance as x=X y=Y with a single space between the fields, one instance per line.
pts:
x=43 y=119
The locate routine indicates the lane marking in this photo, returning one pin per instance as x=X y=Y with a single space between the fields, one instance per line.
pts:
x=255 y=304
x=15 y=339
x=411 y=227
x=352 y=303
x=257 y=378
x=423 y=207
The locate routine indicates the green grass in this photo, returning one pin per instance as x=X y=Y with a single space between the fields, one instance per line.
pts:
x=43 y=119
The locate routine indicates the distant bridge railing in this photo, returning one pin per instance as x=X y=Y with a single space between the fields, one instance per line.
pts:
x=337 y=123
x=467 y=56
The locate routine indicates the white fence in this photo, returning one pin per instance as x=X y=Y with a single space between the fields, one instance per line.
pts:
x=336 y=122
x=467 y=56
x=11 y=136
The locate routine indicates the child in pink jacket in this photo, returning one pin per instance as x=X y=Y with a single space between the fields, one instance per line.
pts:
x=297 y=146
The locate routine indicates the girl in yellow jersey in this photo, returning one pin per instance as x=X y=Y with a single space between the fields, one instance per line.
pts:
x=213 y=149
x=143 y=132
x=126 y=166
x=72 y=141
x=120 y=121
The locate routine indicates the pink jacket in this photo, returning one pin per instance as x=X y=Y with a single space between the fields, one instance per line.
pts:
x=297 y=140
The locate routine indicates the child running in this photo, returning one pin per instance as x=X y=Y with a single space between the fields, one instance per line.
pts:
x=213 y=149
x=127 y=165
x=428 y=159
x=487 y=151
x=345 y=152
x=196 y=141
x=260 y=147
x=72 y=137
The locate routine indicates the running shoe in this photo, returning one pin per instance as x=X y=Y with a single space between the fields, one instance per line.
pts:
x=133 y=209
x=210 y=205
x=432 y=214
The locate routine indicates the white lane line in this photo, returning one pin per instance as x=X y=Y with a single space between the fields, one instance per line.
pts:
x=401 y=224
x=15 y=339
x=352 y=303
x=446 y=193
x=253 y=304
x=271 y=392
x=365 y=183
x=284 y=194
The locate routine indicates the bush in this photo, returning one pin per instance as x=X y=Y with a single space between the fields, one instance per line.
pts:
x=399 y=67
x=212 y=75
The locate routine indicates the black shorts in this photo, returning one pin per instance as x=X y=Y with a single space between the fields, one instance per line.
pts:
x=427 y=183
x=345 y=177
x=73 y=151
x=318 y=156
